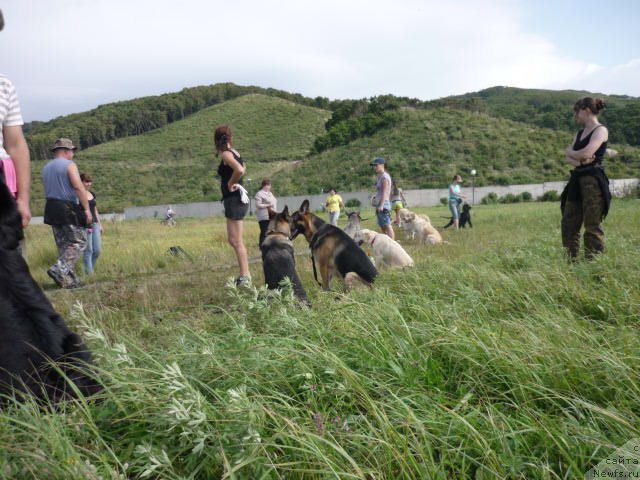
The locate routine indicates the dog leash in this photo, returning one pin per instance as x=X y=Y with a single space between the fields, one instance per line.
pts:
x=315 y=273
x=314 y=240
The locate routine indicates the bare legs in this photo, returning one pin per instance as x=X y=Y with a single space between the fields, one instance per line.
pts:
x=234 y=237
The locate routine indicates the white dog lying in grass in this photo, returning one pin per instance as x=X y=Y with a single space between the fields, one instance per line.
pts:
x=420 y=225
x=385 y=250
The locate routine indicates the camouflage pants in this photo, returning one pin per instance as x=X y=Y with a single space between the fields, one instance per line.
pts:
x=588 y=211
x=71 y=240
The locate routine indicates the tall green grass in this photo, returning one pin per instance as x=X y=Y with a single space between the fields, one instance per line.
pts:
x=493 y=358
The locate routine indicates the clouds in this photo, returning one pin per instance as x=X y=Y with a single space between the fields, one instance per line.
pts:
x=71 y=55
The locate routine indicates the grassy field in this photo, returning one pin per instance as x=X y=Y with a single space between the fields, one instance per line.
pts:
x=493 y=358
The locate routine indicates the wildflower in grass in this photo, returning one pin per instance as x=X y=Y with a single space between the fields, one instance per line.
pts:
x=156 y=464
x=185 y=411
x=345 y=425
x=237 y=395
x=317 y=420
x=208 y=350
x=252 y=436
x=121 y=355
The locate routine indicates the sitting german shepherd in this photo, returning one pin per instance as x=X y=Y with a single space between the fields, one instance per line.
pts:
x=278 y=261
x=37 y=350
x=333 y=250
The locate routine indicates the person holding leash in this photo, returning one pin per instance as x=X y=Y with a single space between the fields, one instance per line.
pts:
x=455 y=199
x=381 y=201
x=234 y=198
x=586 y=198
x=265 y=200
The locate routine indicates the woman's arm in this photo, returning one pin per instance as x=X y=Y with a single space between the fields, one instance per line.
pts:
x=238 y=170
x=585 y=155
x=99 y=221
x=454 y=193
x=261 y=202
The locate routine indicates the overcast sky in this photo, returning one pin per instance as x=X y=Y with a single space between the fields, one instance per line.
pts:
x=67 y=56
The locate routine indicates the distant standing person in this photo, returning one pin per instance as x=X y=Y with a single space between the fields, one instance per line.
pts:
x=333 y=204
x=94 y=232
x=66 y=210
x=169 y=217
x=265 y=200
x=14 y=152
x=234 y=198
x=455 y=199
x=382 y=202
x=586 y=198
x=397 y=201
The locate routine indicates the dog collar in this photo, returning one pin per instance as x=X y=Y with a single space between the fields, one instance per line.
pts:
x=276 y=232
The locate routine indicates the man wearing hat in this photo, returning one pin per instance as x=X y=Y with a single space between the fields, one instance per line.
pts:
x=66 y=210
x=14 y=153
x=381 y=200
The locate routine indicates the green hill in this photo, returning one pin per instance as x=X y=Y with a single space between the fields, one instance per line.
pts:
x=133 y=117
x=551 y=109
x=426 y=147
x=424 y=142
x=176 y=163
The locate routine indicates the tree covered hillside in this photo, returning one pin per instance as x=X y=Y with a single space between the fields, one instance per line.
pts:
x=308 y=145
x=177 y=163
x=426 y=147
x=551 y=109
x=134 y=117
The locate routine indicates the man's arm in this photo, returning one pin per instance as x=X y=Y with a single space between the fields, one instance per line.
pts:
x=81 y=192
x=16 y=147
x=386 y=191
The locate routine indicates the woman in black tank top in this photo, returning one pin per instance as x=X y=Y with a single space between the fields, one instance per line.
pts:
x=586 y=198
x=231 y=169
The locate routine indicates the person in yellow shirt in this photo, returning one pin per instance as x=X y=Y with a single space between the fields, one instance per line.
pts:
x=334 y=204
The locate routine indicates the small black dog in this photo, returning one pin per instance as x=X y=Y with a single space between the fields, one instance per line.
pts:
x=37 y=350
x=465 y=217
x=278 y=261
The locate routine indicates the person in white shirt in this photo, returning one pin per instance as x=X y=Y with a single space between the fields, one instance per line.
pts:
x=265 y=200
x=15 y=168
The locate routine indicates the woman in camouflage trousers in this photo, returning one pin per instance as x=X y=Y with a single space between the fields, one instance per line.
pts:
x=586 y=198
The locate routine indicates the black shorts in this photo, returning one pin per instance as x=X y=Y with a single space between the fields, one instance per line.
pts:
x=234 y=209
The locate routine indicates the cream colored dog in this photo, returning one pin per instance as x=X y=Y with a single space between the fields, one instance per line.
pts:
x=385 y=250
x=420 y=226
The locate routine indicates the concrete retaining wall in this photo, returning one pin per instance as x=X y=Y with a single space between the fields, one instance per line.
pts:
x=415 y=198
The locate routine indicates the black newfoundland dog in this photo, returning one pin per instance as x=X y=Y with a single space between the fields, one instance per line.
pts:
x=39 y=355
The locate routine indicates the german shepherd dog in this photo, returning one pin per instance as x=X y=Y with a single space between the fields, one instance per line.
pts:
x=278 y=261
x=333 y=250
x=37 y=350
